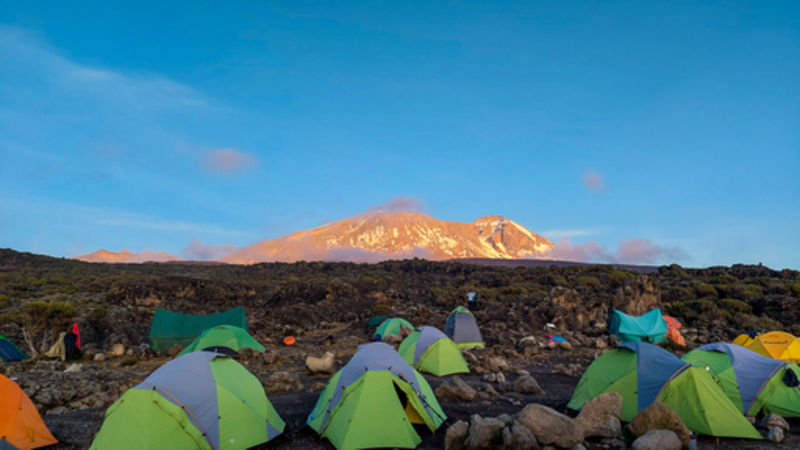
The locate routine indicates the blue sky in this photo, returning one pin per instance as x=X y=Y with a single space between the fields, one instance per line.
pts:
x=595 y=122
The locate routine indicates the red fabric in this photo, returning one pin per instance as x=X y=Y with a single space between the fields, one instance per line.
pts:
x=78 y=334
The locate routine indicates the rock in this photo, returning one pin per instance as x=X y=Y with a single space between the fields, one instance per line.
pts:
x=659 y=416
x=174 y=350
x=99 y=357
x=600 y=343
x=73 y=368
x=497 y=364
x=490 y=391
x=326 y=364
x=469 y=356
x=117 y=350
x=393 y=339
x=578 y=447
x=505 y=418
x=490 y=377
x=456 y=390
x=657 y=440
x=775 y=434
x=500 y=377
x=456 y=435
x=600 y=416
x=526 y=384
x=317 y=386
x=282 y=382
x=247 y=354
x=774 y=420
x=550 y=426
x=564 y=345
x=484 y=432
x=522 y=437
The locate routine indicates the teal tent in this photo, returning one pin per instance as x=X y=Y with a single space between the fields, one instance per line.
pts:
x=649 y=327
x=170 y=328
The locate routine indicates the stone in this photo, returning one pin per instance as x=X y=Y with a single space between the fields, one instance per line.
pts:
x=490 y=377
x=99 y=357
x=247 y=354
x=551 y=427
x=775 y=434
x=600 y=416
x=73 y=368
x=174 y=350
x=490 y=391
x=774 y=420
x=456 y=389
x=484 y=432
x=117 y=350
x=469 y=356
x=318 y=386
x=523 y=438
x=659 y=416
x=456 y=435
x=578 y=447
x=500 y=377
x=657 y=440
x=325 y=364
x=564 y=345
x=600 y=343
x=393 y=339
x=497 y=364
x=526 y=384
x=282 y=382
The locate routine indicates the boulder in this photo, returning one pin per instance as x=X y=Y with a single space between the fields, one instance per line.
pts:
x=550 y=426
x=657 y=440
x=564 y=345
x=484 y=433
x=73 y=368
x=526 y=384
x=659 y=416
x=325 y=364
x=775 y=434
x=456 y=390
x=456 y=435
x=773 y=420
x=117 y=350
x=600 y=416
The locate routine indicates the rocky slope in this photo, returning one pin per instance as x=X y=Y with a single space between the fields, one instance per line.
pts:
x=383 y=235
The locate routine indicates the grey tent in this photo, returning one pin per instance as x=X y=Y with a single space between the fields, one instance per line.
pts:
x=462 y=328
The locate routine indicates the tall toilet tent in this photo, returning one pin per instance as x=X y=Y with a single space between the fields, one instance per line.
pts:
x=429 y=350
x=199 y=400
x=170 y=328
x=643 y=373
x=374 y=400
x=754 y=383
x=462 y=328
x=21 y=426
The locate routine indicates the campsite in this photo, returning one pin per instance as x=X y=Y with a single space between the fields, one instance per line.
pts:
x=540 y=331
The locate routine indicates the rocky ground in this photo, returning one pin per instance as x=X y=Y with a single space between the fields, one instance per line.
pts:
x=326 y=306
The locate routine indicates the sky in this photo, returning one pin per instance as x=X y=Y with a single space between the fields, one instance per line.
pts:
x=644 y=132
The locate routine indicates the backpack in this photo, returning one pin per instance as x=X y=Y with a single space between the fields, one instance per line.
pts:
x=790 y=378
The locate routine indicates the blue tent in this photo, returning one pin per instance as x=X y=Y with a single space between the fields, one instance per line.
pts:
x=9 y=351
x=649 y=327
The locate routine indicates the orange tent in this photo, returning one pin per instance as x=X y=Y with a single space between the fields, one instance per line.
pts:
x=673 y=325
x=778 y=345
x=20 y=423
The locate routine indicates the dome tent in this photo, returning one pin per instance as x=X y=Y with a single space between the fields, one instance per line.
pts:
x=10 y=352
x=753 y=382
x=643 y=373
x=199 y=400
x=373 y=401
x=462 y=328
x=21 y=426
x=393 y=325
x=429 y=350
x=223 y=338
x=775 y=344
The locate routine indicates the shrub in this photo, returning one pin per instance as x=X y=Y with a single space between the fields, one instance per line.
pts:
x=618 y=278
x=679 y=293
x=705 y=290
x=751 y=291
x=734 y=305
x=42 y=319
x=590 y=282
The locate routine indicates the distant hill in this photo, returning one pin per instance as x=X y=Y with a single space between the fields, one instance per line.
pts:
x=125 y=256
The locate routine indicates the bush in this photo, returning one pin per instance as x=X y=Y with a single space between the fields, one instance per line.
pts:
x=705 y=290
x=618 y=278
x=40 y=320
x=587 y=281
x=734 y=305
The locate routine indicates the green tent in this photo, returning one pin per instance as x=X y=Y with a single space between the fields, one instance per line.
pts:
x=643 y=373
x=199 y=400
x=429 y=350
x=393 y=325
x=374 y=400
x=462 y=328
x=753 y=382
x=649 y=327
x=170 y=328
x=226 y=339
